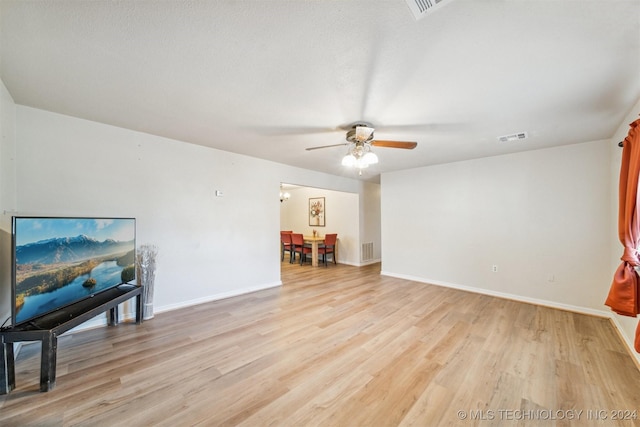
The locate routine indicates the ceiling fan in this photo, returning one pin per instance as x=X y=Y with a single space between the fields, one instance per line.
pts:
x=360 y=139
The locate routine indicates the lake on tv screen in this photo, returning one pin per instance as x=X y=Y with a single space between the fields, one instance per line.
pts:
x=107 y=274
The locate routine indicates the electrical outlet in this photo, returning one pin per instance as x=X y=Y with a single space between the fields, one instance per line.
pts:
x=494 y=268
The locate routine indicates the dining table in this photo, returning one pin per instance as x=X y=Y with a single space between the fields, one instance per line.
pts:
x=313 y=240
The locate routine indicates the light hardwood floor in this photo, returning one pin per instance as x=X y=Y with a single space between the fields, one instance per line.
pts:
x=337 y=346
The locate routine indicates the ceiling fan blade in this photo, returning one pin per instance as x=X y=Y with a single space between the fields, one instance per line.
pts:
x=394 y=144
x=326 y=146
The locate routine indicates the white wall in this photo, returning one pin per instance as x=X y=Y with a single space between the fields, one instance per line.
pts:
x=7 y=195
x=341 y=217
x=541 y=216
x=209 y=247
x=370 y=226
x=626 y=324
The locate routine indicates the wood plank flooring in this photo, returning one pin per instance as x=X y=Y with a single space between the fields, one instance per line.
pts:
x=337 y=346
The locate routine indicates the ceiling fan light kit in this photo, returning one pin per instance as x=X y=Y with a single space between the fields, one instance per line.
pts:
x=360 y=140
x=370 y=158
x=360 y=156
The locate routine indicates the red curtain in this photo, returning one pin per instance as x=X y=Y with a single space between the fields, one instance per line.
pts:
x=624 y=292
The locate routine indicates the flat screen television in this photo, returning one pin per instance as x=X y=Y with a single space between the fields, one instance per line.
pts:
x=59 y=261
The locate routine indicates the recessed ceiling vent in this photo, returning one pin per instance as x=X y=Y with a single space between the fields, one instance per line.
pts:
x=421 y=7
x=513 y=137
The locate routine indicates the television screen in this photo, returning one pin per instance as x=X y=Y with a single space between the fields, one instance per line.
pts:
x=59 y=261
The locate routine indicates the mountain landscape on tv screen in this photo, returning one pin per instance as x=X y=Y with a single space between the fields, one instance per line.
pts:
x=70 y=267
x=68 y=250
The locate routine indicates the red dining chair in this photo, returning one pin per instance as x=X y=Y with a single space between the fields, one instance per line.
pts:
x=285 y=244
x=297 y=242
x=329 y=247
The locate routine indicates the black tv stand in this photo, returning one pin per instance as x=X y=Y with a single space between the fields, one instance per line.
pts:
x=48 y=327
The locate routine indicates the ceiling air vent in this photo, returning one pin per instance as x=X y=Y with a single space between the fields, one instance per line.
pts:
x=421 y=7
x=513 y=137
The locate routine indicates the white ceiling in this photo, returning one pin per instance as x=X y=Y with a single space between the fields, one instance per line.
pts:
x=271 y=78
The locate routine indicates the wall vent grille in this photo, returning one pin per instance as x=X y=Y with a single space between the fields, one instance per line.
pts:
x=367 y=251
x=419 y=8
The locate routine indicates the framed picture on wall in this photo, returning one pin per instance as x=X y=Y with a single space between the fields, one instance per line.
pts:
x=316 y=211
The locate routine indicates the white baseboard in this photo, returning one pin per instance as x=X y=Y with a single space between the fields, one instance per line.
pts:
x=361 y=263
x=545 y=303
x=627 y=340
x=216 y=297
